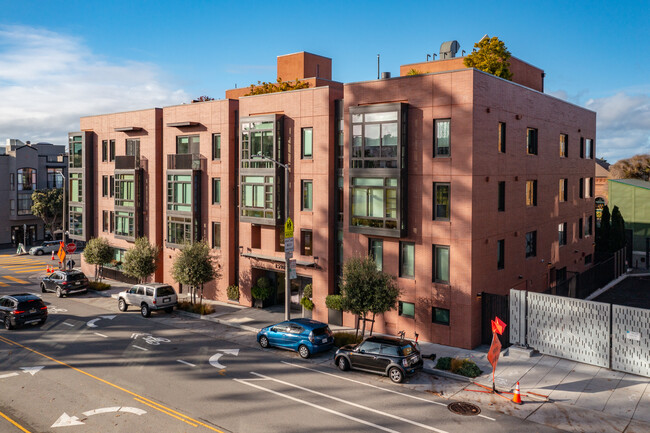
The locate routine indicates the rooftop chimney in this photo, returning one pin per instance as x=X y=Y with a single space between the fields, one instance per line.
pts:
x=449 y=49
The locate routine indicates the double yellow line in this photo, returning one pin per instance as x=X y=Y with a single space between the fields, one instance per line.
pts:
x=136 y=397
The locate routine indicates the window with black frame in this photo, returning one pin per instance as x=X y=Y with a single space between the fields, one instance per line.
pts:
x=376 y=251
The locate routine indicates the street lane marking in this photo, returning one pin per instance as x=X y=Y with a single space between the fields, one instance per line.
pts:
x=185 y=362
x=140 y=398
x=170 y=414
x=141 y=348
x=69 y=324
x=28 y=270
x=333 y=412
x=9 y=342
x=374 y=386
x=101 y=335
x=3 y=284
x=340 y=400
x=14 y=423
x=4 y=376
x=17 y=280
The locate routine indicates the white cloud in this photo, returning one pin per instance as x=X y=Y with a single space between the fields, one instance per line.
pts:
x=49 y=80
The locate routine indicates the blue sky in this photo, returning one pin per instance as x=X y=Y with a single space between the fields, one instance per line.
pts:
x=60 y=60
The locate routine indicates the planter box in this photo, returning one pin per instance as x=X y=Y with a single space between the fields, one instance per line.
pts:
x=306 y=313
x=335 y=317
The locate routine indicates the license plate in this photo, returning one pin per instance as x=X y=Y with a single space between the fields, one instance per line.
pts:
x=77 y=283
x=166 y=299
x=33 y=310
x=324 y=340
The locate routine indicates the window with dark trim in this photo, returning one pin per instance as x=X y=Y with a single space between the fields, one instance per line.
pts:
x=531 y=244
x=564 y=146
x=589 y=226
x=531 y=193
x=407 y=259
x=440 y=316
x=104 y=150
x=376 y=251
x=588 y=189
x=179 y=229
x=187 y=144
x=105 y=221
x=307 y=143
x=581 y=188
x=502 y=196
x=582 y=147
x=502 y=138
x=216 y=190
x=125 y=190
x=307 y=195
x=216 y=236
x=124 y=224
x=111 y=155
x=580 y=228
x=374 y=202
x=406 y=309
x=132 y=147
x=111 y=186
x=442 y=193
x=104 y=186
x=531 y=141
x=441 y=264
x=561 y=231
x=442 y=138
x=216 y=147
x=589 y=148
x=306 y=243
x=564 y=187
x=501 y=253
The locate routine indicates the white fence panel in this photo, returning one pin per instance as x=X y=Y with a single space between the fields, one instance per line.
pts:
x=517 y=317
x=631 y=340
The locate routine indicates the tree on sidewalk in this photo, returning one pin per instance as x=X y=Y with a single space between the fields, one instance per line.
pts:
x=617 y=237
x=140 y=261
x=98 y=252
x=364 y=289
x=47 y=204
x=194 y=267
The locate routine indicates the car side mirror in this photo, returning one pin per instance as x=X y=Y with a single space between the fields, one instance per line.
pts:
x=362 y=351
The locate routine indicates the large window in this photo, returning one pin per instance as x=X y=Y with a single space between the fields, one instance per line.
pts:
x=531 y=193
x=531 y=141
x=76 y=220
x=133 y=147
x=307 y=195
x=104 y=150
x=589 y=148
x=406 y=309
x=216 y=236
x=75 y=148
x=564 y=146
x=179 y=230
x=216 y=190
x=76 y=187
x=442 y=204
x=187 y=144
x=501 y=254
x=407 y=259
x=216 y=146
x=257 y=196
x=441 y=264
x=376 y=251
x=440 y=316
x=54 y=178
x=374 y=202
x=587 y=187
x=124 y=190
x=24 y=204
x=501 y=202
x=104 y=186
x=179 y=192
x=306 y=243
x=531 y=244
x=501 y=143
x=307 y=143
x=111 y=150
x=562 y=193
x=442 y=140
x=375 y=140
x=561 y=231
x=582 y=147
x=26 y=179
x=124 y=224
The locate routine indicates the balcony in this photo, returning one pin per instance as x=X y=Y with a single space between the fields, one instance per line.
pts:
x=186 y=161
x=128 y=162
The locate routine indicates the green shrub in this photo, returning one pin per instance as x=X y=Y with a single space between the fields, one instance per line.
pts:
x=334 y=302
x=195 y=308
x=307 y=303
x=233 y=292
x=262 y=289
x=343 y=338
x=96 y=285
x=444 y=363
x=307 y=292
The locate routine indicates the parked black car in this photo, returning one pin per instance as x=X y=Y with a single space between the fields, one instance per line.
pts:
x=392 y=357
x=64 y=283
x=22 y=309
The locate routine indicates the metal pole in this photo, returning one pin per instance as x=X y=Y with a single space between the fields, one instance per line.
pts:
x=287 y=281
x=377 y=66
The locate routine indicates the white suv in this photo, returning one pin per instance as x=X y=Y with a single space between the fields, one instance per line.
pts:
x=150 y=296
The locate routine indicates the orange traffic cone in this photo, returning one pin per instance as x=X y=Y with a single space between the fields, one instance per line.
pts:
x=48 y=269
x=516 y=398
x=52 y=255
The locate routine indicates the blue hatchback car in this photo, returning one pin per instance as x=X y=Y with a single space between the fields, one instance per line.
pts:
x=306 y=336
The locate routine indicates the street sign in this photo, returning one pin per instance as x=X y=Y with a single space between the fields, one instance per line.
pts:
x=71 y=247
x=288 y=247
x=61 y=253
x=292 y=269
x=288 y=228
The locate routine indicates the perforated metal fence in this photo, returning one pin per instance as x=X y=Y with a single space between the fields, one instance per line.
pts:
x=631 y=340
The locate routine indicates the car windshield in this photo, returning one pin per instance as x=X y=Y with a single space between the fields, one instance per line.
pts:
x=165 y=291
x=321 y=331
x=76 y=277
x=32 y=303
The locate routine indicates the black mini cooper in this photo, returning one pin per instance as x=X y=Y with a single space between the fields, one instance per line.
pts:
x=392 y=357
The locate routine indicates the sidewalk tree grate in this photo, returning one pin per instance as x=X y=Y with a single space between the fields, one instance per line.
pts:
x=463 y=408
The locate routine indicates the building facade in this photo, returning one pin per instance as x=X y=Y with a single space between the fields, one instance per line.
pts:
x=457 y=182
x=25 y=168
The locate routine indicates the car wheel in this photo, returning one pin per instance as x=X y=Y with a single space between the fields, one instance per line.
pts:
x=169 y=310
x=264 y=342
x=303 y=351
x=43 y=287
x=8 y=324
x=343 y=364
x=39 y=252
x=145 y=311
x=396 y=375
x=59 y=292
x=121 y=305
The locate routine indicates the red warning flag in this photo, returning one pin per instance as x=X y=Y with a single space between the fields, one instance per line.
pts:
x=493 y=353
x=498 y=326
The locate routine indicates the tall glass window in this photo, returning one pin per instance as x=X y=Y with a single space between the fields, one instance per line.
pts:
x=104 y=150
x=531 y=141
x=216 y=190
x=589 y=148
x=111 y=150
x=26 y=179
x=562 y=194
x=124 y=190
x=216 y=146
x=374 y=202
x=564 y=146
x=179 y=230
x=407 y=260
x=179 y=192
x=501 y=253
x=76 y=220
x=75 y=149
x=442 y=204
x=561 y=230
x=306 y=243
x=531 y=244
x=442 y=145
x=76 y=187
x=216 y=236
x=531 y=193
x=133 y=147
x=501 y=143
x=376 y=251
x=501 y=197
x=375 y=140
x=257 y=196
x=124 y=223
x=54 y=178
x=307 y=143
x=307 y=195
x=24 y=204
x=441 y=264
x=187 y=144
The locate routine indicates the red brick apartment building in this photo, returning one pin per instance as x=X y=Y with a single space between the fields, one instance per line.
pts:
x=457 y=182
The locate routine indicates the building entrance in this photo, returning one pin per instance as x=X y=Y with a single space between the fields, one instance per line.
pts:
x=18 y=235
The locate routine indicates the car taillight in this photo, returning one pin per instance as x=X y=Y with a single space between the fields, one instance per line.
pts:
x=43 y=308
x=65 y=283
x=18 y=311
x=405 y=362
x=311 y=337
x=154 y=301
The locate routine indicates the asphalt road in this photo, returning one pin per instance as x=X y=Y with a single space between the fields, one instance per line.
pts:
x=91 y=368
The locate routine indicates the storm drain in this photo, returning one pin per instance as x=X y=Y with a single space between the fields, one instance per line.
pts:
x=462 y=408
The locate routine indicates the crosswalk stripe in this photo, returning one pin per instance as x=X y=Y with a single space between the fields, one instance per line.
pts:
x=3 y=284
x=18 y=268
x=30 y=270
x=17 y=280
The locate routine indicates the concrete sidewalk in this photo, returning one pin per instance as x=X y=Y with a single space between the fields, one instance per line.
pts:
x=581 y=397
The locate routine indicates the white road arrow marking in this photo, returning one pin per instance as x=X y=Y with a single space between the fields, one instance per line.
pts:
x=185 y=362
x=66 y=420
x=32 y=370
x=101 y=410
x=91 y=323
x=214 y=360
x=8 y=375
x=230 y=351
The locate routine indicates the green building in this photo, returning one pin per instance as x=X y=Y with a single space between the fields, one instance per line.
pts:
x=632 y=196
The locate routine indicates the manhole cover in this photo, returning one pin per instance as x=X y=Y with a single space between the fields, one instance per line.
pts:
x=462 y=408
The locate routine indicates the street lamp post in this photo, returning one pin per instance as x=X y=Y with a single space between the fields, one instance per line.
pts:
x=287 y=281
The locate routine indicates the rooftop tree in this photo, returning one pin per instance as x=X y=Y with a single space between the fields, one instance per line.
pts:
x=491 y=56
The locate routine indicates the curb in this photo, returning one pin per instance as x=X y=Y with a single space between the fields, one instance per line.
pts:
x=217 y=320
x=447 y=374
